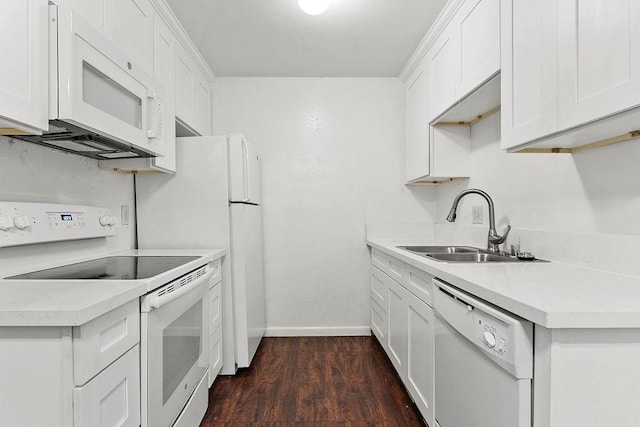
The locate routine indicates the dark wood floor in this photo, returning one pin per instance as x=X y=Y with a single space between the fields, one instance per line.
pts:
x=313 y=381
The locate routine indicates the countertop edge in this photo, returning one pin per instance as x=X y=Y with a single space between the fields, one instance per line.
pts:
x=83 y=313
x=548 y=319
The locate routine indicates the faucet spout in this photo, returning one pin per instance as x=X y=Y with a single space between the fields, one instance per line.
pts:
x=493 y=239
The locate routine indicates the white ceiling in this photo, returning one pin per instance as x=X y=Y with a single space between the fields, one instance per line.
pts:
x=274 y=38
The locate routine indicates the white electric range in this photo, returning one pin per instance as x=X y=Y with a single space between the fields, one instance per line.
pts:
x=56 y=271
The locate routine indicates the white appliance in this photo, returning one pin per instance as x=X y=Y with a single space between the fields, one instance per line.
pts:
x=53 y=244
x=214 y=201
x=484 y=363
x=174 y=348
x=101 y=104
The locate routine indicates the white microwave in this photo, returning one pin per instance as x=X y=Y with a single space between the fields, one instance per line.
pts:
x=101 y=104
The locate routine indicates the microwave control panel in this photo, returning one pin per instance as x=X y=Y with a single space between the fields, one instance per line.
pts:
x=30 y=223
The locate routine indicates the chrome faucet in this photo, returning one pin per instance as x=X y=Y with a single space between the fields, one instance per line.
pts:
x=494 y=239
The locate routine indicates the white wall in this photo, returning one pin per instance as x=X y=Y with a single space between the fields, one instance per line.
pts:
x=332 y=160
x=33 y=173
x=581 y=209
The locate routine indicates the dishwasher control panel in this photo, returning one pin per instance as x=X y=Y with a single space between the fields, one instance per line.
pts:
x=492 y=333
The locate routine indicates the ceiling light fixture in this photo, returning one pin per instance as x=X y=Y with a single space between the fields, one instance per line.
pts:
x=313 y=7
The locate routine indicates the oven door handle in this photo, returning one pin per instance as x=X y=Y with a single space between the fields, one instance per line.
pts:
x=157 y=301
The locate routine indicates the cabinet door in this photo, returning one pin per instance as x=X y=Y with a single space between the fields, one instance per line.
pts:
x=479 y=30
x=100 y=13
x=598 y=59
x=112 y=398
x=164 y=72
x=416 y=123
x=420 y=355
x=133 y=31
x=215 y=354
x=202 y=104
x=24 y=75
x=397 y=332
x=185 y=79
x=443 y=60
x=529 y=70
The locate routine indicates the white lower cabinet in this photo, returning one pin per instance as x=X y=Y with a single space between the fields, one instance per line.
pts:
x=112 y=398
x=403 y=323
x=215 y=323
x=420 y=379
x=81 y=376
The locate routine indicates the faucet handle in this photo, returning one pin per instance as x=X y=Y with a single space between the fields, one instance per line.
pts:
x=497 y=239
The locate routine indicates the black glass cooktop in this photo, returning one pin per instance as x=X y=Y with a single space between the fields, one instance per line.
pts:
x=111 y=268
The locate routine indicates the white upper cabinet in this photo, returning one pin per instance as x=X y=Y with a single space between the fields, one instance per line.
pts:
x=479 y=34
x=529 y=70
x=163 y=70
x=598 y=59
x=193 y=94
x=133 y=31
x=570 y=74
x=463 y=57
x=416 y=123
x=443 y=62
x=24 y=84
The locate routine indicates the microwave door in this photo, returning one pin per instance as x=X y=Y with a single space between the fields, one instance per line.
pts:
x=101 y=90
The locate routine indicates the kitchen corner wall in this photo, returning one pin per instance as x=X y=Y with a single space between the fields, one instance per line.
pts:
x=332 y=160
x=581 y=209
x=33 y=173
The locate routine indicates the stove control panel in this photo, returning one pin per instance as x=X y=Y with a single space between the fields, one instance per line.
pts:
x=30 y=223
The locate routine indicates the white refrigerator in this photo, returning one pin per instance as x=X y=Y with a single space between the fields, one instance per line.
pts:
x=213 y=201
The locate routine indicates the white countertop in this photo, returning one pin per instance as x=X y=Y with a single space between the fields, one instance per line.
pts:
x=552 y=294
x=75 y=302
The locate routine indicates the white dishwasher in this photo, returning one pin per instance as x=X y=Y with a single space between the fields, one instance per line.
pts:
x=484 y=363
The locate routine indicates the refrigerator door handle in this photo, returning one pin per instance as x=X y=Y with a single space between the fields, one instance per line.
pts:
x=245 y=161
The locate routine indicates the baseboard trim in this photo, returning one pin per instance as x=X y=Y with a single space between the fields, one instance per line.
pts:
x=318 y=331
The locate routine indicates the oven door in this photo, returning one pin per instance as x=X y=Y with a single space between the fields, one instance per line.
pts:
x=100 y=89
x=174 y=349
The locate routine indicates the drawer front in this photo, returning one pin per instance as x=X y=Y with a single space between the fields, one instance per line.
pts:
x=380 y=260
x=215 y=307
x=419 y=283
x=396 y=269
x=215 y=355
x=112 y=398
x=379 y=323
x=389 y=265
x=216 y=277
x=379 y=288
x=97 y=343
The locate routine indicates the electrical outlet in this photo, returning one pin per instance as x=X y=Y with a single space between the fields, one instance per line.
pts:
x=124 y=214
x=476 y=215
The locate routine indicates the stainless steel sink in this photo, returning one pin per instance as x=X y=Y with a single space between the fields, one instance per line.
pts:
x=440 y=249
x=480 y=257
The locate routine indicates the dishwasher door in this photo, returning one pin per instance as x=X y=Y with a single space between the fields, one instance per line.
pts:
x=484 y=363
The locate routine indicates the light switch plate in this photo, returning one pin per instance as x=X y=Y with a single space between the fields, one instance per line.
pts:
x=124 y=214
x=476 y=215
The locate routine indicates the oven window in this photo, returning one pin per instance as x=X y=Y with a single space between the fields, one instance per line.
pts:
x=180 y=348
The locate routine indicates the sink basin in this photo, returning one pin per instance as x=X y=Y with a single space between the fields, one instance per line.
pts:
x=479 y=257
x=439 y=249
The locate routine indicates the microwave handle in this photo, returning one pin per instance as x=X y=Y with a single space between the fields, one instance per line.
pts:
x=156 y=301
x=156 y=116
